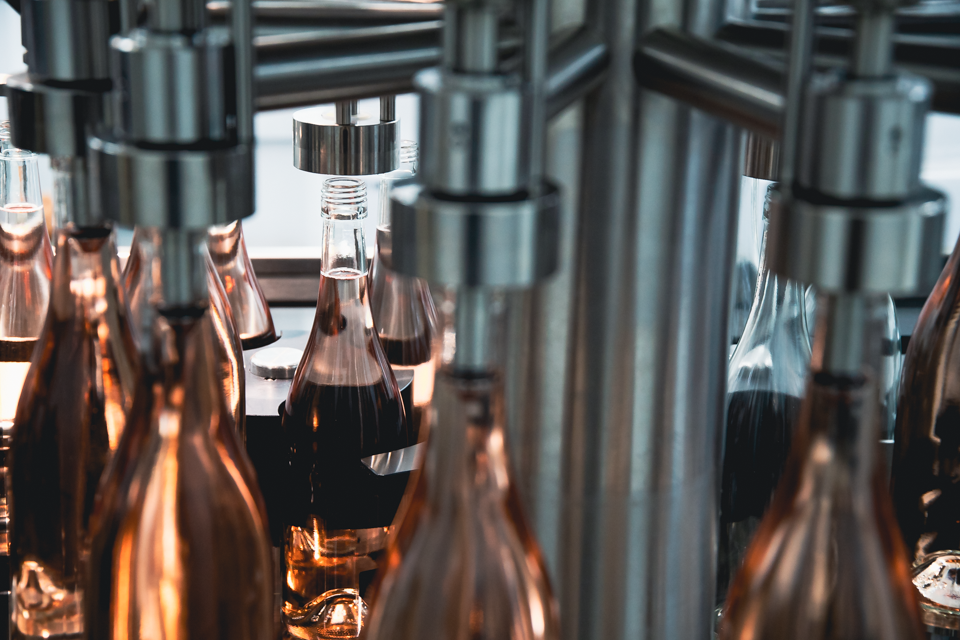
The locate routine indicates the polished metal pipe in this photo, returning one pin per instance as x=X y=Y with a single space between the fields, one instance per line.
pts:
x=873 y=50
x=330 y=10
x=713 y=77
x=575 y=66
x=654 y=257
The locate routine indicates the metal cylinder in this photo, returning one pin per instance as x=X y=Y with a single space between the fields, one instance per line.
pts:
x=863 y=139
x=360 y=146
x=475 y=244
x=761 y=157
x=67 y=40
x=654 y=258
x=474 y=143
x=174 y=88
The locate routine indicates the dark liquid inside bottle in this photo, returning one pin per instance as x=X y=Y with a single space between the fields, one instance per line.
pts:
x=407 y=353
x=14 y=362
x=759 y=431
x=337 y=511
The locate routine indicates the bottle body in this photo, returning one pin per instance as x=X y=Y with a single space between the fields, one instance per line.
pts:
x=69 y=420
x=765 y=382
x=26 y=263
x=827 y=560
x=464 y=563
x=180 y=548
x=926 y=448
x=247 y=302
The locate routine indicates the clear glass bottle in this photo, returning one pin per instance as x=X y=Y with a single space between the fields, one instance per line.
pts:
x=26 y=262
x=250 y=309
x=464 y=563
x=403 y=309
x=343 y=411
x=70 y=418
x=827 y=561
x=926 y=460
x=765 y=382
x=141 y=280
x=180 y=547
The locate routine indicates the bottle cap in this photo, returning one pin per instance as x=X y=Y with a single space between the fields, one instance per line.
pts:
x=276 y=363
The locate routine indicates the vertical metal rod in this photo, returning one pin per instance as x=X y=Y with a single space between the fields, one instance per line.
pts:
x=388 y=108
x=801 y=56
x=346 y=111
x=241 y=25
x=470 y=38
x=873 y=53
x=648 y=361
x=536 y=51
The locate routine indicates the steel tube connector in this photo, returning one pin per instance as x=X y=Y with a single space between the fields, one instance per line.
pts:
x=712 y=77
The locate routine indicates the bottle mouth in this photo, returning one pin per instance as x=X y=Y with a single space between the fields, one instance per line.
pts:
x=343 y=199
x=409 y=152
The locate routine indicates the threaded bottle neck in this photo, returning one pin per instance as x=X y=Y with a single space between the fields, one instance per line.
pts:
x=343 y=199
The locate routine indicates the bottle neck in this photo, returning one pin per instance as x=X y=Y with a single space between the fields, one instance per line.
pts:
x=85 y=272
x=344 y=250
x=467 y=455
x=186 y=376
x=842 y=410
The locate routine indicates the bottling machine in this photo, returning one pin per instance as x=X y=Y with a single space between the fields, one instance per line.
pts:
x=615 y=259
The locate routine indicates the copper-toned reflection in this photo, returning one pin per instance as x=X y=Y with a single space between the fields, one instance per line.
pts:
x=141 y=279
x=926 y=464
x=827 y=561
x=464 y=564
x=250 y=309
x=180 y=549
x=70 y=419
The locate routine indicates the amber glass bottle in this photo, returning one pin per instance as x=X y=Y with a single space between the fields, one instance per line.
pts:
x=827 y=561
x=345 y=424
x=926 y=462
x=141 y=280
x=464 y=563
x=250 y=309
x=403 y=309
x=26 y=262
x=70 y=418
x=180 y=548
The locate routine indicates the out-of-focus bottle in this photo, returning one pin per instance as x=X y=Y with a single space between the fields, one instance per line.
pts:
x=26 y=261
x=926 y=462
x=250 y=309
x=141 y=280
x=351 y=448
x=464 y=563
x=765 y=382
x=403 y=309
x=827 y=561
x=180 y=548
x=69 y=420
x=892 y=363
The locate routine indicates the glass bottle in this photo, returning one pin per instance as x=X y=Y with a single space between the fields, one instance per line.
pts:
x=180 y=547
x=464 y=563
x=403 y=309
x=250 y=309
x=892 y=365
x=827 y=561
x=342 y=414
x=26 y=261
x=141 y=280
x=69 y=420
x=764 y=385
x=926 y=461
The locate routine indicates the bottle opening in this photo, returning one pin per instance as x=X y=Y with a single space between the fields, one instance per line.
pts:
x=343 y=199
x=409 y=152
